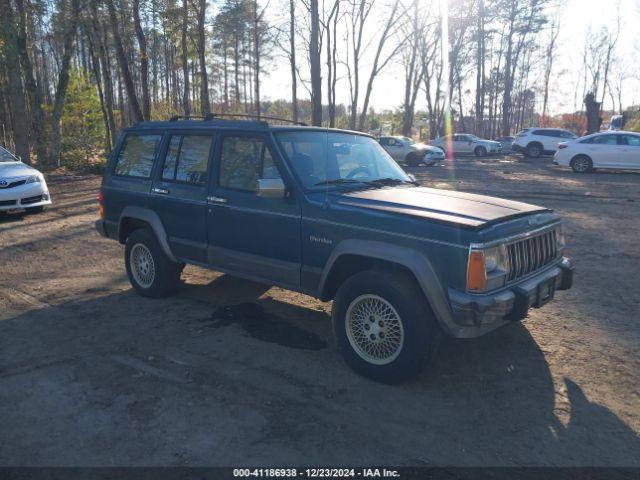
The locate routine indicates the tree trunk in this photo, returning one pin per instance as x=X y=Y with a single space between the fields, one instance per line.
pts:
x=256 y=53
x=314 y=58
x=124 y=64
x=186 y=105
x=33 y=92
x=292 y=60
x=480 y=70
x=144 y=61
x=17 y=104
x=205 y=106
x=63 y=83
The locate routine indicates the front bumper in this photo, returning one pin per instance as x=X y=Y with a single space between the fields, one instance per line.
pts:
x=477 y=314
x=25 y=196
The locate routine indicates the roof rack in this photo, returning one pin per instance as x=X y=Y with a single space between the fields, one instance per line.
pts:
x=206 y=118
x=212 y=116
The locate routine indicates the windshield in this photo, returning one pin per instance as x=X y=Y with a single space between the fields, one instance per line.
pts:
x=5 y=156
x=320 y=158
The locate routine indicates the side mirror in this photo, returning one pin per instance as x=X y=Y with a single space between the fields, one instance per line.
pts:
x=271 y=188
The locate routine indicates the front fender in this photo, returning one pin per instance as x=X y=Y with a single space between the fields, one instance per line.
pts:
x=413 y=260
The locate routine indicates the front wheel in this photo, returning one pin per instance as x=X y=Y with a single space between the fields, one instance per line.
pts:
x=581 y=164
x=150 y=271
x=480 y=151
x=34 y=210
x=383 y=325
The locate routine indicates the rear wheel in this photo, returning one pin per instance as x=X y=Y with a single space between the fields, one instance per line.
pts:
x=383 y=325
x=534 y=150
x=150 y=271
x=480 y=151
x=581 y=164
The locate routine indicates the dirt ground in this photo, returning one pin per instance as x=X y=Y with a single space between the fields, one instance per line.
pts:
x=233 y=373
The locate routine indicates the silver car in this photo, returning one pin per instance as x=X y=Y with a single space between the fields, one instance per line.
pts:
x=21 y=186
x=466 y=143
x=404 y=149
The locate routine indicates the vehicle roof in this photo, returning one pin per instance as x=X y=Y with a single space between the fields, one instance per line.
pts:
x=219 y=123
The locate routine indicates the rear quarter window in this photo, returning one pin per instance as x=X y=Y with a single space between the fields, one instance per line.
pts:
x=136 y=156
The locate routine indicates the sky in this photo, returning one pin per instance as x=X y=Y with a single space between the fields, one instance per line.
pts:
x=576 y=17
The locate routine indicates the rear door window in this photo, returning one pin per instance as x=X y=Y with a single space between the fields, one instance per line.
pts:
x=136 y=156
x=187 y=159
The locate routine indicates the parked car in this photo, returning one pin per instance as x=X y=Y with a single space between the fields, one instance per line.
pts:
x=534 y=142
x=21 y=186
x=613 y=149
x=466 y=143
x=404 y=149
x=328 y=213
x=506 y=143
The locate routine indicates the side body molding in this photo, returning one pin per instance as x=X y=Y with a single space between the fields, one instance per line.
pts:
x=152 y=218
x=415 y=261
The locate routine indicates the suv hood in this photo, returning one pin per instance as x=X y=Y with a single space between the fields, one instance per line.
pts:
x=15 y=169
x=466 y=210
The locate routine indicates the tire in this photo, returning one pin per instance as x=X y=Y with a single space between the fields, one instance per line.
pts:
x=34 y=210
x=581 y=164
x=397 y=295
x=534 y=150
x=412 y=160
x=480 y=152
x=151 y=273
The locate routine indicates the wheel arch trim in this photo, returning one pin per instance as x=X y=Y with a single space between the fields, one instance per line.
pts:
x=153 y=220
x=416 y=262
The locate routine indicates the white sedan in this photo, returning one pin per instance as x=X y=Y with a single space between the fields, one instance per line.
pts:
x=618 y=150
x=21 y=186
x=405 y=149
x=466 y=143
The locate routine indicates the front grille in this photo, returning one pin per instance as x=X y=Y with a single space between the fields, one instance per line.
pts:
x=28 y=200
x=17 y=183
x=7 y=203
x=531 y=254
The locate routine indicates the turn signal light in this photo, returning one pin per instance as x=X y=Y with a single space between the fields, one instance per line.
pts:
x=561 y=146
x=476 y=273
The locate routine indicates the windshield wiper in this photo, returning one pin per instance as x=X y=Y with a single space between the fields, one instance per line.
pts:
x=392 y=181
x=340 y=181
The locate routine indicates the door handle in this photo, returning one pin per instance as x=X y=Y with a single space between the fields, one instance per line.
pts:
x=161 y=191
x=217 y=200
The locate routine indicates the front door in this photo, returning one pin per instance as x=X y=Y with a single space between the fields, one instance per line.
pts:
x=179 y=192
x=606 y=151
x=251 y=235
x=630 y=151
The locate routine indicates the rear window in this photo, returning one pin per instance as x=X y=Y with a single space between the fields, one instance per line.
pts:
x=136 y=156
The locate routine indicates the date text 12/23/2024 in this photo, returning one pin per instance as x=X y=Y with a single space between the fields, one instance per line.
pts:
x=316 y=473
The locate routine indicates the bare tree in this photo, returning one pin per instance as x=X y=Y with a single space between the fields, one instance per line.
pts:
x=144 y=61
x=205 y=106
x=314 y=60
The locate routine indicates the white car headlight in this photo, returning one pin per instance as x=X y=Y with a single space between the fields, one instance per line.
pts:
x=37 y=178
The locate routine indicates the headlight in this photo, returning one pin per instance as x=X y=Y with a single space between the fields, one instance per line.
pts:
x=37 y=178
x=487 y=268
x=560 y=240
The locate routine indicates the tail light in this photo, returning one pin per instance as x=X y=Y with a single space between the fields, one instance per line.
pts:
x=100 y=204
x=562 y=145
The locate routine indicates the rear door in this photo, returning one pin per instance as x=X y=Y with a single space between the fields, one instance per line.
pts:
x=395 y=148
x=248 y=234
x=179 y=192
